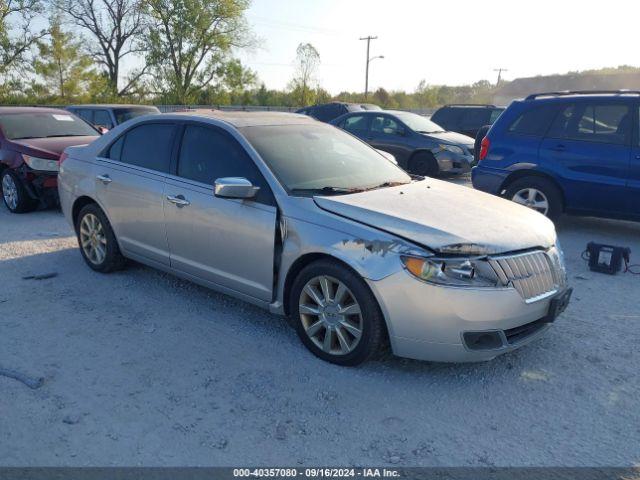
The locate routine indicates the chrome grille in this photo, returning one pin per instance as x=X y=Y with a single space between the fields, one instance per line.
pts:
x=534 y=275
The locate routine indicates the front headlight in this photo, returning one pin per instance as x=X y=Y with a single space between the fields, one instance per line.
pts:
x=454 y=271
x=43 y=164
x=452 y=148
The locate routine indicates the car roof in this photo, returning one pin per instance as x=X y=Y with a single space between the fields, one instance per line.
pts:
x=246 y=119
x=108 y=105
x=588 y=94
x=32 y=110
x=470 y=105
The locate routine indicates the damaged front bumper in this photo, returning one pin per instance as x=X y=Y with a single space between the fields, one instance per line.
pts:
x=448 y=324
x=449 y=162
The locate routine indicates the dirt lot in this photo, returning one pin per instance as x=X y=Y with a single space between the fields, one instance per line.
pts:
x=141 y=368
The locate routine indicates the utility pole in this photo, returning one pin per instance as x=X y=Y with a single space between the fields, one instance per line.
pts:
x=366 y=81
x=499 y=70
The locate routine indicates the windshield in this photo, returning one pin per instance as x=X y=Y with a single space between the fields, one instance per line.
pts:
x=16 y=126
x=322 y=157
x=418 y=123
x=124 y=114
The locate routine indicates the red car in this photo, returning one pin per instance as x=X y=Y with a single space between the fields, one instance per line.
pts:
x=31 y=142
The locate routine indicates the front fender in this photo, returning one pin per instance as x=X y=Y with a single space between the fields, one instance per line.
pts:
x=373 y=254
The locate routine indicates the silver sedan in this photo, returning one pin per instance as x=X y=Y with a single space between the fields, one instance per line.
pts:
x=307 y=221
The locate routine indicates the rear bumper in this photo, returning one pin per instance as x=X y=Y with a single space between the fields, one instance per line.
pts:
x=488 y=179
x=429 y=322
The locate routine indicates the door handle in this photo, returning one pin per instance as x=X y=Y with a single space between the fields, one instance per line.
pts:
x=559 y=148
x=637 y=157
x=104 y=179
x=178 y=201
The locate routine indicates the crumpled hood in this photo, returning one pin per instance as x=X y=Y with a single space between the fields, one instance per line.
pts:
x=451 y=137
x=56 y=145
x=440 y=215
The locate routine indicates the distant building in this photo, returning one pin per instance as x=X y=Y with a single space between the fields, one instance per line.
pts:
x=521 y=87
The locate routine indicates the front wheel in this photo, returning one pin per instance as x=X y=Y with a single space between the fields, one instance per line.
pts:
x=97 y=241
x=538 y=194
x=15 y=194
x=335 y=314
x=424 y=164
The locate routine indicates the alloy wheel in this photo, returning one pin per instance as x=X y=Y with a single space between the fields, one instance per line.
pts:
x=330 y=315
x=93 y=239
x=532 y=198
x=10 y=191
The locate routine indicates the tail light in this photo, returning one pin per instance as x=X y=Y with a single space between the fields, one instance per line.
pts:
x=62 y=158
x=484 y=148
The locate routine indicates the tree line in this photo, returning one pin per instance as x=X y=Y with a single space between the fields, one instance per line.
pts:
x=184 y=52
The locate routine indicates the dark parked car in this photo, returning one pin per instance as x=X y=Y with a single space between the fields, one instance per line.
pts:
x=328 y=111
x=31 y=141
x=466 y=118
x=419 y=145
x=105 y=117
x=571 y=152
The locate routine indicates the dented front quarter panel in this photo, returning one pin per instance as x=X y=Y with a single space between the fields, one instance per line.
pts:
x=372 y=253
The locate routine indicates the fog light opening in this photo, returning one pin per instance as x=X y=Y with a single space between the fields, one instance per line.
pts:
x=482 y=340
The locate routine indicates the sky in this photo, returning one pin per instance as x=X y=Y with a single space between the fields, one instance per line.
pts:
x=451 y=42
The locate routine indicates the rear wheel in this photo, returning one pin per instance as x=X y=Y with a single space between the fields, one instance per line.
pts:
x=97 y=241
x=335 y=314
x=15 y=194
x=538 y=194
x=425 y=164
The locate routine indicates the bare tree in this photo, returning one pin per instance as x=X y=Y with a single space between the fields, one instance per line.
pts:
x=115 y=27
x=306 y=65
x=16 y=34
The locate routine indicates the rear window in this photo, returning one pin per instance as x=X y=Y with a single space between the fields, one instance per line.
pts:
x=16 y=126
x=475 y=117
x=534 y=122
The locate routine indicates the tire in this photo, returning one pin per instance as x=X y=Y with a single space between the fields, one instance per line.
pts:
x=15 y=194
x=345 y=346
x=425 y=164
x=523 y=191
x=93 y=226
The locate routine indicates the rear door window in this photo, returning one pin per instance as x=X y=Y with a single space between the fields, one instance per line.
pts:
x=475 y=118
x=382 y=124
x=355 y=124
x=594 y=122
x=147 y=146
x=208 y=153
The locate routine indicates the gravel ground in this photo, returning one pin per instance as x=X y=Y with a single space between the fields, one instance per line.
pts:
x=141 y=368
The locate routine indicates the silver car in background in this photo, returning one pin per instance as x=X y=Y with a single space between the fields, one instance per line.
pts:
x=305 y=220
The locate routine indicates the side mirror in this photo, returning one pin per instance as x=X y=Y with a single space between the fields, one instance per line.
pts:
x=234 y=187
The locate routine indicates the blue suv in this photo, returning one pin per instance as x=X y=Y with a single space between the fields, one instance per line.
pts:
x=566 y=152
